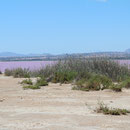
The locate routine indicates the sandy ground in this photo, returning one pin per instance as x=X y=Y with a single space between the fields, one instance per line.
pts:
x=58 y=107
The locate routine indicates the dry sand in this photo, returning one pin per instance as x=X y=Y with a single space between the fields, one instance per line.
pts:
x=58 y=107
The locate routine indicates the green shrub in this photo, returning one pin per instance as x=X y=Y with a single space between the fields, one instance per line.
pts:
x=31 y=87
x=105 y=82
x=8 y=72
x=101 y=81
x=0 y=72
x=21 y=73
x=64 y=76
x=18 y=73
x=81 y=85
x=41 y=82
x=87 y=85
x=126 y=83
x=111 y=111
x=116 y=87
x=27 y=81
x=96 y=82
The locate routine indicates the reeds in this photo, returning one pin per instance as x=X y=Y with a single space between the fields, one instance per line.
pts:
x=18 y=73
x=74 y=69
x=83 y=68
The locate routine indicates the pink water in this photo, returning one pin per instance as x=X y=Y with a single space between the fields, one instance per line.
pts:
x=32 y=65
x=124 y=62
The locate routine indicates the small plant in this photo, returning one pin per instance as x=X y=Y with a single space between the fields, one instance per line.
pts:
x=41 y=82
x=111 y=111
x=31 y=87
x=116 y=87
x=8 y=72
x=27 y=81
x=0 y=72
x=126 y=83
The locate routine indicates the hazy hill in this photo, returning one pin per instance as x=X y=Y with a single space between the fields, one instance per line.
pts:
x=10 y=54
x=128 y=51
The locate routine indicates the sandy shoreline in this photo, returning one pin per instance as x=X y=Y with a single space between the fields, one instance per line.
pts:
x=58 y=107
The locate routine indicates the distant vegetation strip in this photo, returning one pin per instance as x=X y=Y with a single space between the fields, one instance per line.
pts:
x=49 y=57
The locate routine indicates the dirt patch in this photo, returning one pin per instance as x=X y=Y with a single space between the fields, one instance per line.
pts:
x=58 y=107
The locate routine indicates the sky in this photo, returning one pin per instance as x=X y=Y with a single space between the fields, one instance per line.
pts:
x=64 y=26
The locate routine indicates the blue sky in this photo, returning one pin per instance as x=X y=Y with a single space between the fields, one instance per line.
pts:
x=64 y=26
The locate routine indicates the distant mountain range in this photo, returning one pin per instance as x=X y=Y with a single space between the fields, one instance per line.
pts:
x=11 y=54
x=128 y=51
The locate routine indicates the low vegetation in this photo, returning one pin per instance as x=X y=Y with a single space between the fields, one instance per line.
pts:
x=27 y=81
x=28 y=84
x=64 y=76
x=126 y=83
x=116 y=87
x=83 y=68
x=41 y=82
x=86 y=74
x=95 y=82
x=31 y=87
x=111 y=111
x=18 y=73
x=8 y=72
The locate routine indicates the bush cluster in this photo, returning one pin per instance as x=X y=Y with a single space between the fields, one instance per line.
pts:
x=111 y=111
x=18 y=73
x=27 y=81
x=64 y=76
x=41 y=82
x=116 y=87
x=95 y=82
x=28 y=84
x=83 y=68
x=126 y=83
